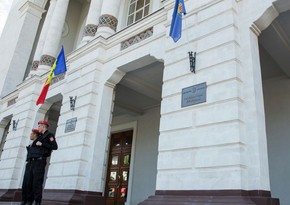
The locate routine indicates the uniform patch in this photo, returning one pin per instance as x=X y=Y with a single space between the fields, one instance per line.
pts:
x=51 y=139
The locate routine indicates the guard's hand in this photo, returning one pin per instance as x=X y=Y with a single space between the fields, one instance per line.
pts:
x=38 y=143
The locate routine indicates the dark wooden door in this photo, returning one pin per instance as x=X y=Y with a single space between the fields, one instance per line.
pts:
x=118 y=168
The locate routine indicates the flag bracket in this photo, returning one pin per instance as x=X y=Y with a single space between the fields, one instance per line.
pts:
x=72 y=102
x=192 y=60
x=14 y=125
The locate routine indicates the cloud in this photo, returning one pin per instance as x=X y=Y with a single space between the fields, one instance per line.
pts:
x=5 y=6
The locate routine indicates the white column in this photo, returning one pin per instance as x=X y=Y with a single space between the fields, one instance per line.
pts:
x=51 y=45
x=92 y=20
x=23 y=21
x=108 y=20
x=42 y=37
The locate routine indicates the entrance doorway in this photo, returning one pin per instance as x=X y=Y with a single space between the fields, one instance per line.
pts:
x=51 y=114
x=118 y=168
x=4 y=129
x=137 y=100
x=274 y=53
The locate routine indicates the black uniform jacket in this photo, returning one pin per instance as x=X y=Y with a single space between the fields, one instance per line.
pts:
x=48 y=144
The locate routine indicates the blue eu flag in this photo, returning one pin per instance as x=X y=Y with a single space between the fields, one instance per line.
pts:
x=176 y=23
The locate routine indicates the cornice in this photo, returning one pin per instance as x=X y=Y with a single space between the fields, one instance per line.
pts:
x=32 y=8
x=265 y=20
x=120 y=36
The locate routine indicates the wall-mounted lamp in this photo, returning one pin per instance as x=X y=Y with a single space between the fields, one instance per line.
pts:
x=72 y=102
x=14 y=124
x=192 y=60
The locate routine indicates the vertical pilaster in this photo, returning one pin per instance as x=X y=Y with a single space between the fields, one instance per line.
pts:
x=106 y=99
x=108 y=20
x=52 y=40
x=14 y=154
x=217 y=150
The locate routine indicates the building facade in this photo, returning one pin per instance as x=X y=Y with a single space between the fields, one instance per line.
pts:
x=133 y=123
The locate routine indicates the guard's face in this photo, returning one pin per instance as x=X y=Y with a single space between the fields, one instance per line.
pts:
x=33 y=136
x=41 y=128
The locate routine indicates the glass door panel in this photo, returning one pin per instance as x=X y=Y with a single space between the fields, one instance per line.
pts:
x=126 y=159
x=111 y=192
x=115 y=160
x=125 y=175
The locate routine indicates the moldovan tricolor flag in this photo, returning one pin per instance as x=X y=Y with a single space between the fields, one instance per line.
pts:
x=176 y=23
x=58 y=67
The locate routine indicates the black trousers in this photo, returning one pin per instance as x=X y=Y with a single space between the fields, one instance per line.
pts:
x=33 y=180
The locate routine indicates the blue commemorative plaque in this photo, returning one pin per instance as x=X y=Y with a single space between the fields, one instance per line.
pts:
x=193 y=95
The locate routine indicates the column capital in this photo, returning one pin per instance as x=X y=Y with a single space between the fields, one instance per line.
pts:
x=32 y=8
x=40 y=3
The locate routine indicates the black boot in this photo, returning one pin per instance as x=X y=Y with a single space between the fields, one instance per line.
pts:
x=23 y=203
x=29 y=203
x=37 y=203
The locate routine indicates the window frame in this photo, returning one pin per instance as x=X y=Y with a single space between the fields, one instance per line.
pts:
x=136 y=11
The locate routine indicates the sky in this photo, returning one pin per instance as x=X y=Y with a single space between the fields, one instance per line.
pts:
x=4 y=9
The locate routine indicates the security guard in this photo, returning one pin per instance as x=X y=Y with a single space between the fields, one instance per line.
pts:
x=38 y=151
x=27 y=193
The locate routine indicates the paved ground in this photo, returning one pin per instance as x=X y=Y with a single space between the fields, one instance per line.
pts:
x=9 y=203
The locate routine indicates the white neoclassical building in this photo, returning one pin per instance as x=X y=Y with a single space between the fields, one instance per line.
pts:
x=133 y=123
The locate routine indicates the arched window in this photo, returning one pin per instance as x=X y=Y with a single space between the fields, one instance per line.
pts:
x=137 y=10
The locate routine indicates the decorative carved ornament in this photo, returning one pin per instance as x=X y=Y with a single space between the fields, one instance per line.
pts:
x=90 y=30
x=108 y=21
x=57 y=78
x=47 y=60
x=35 y=65
x=137 y=38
